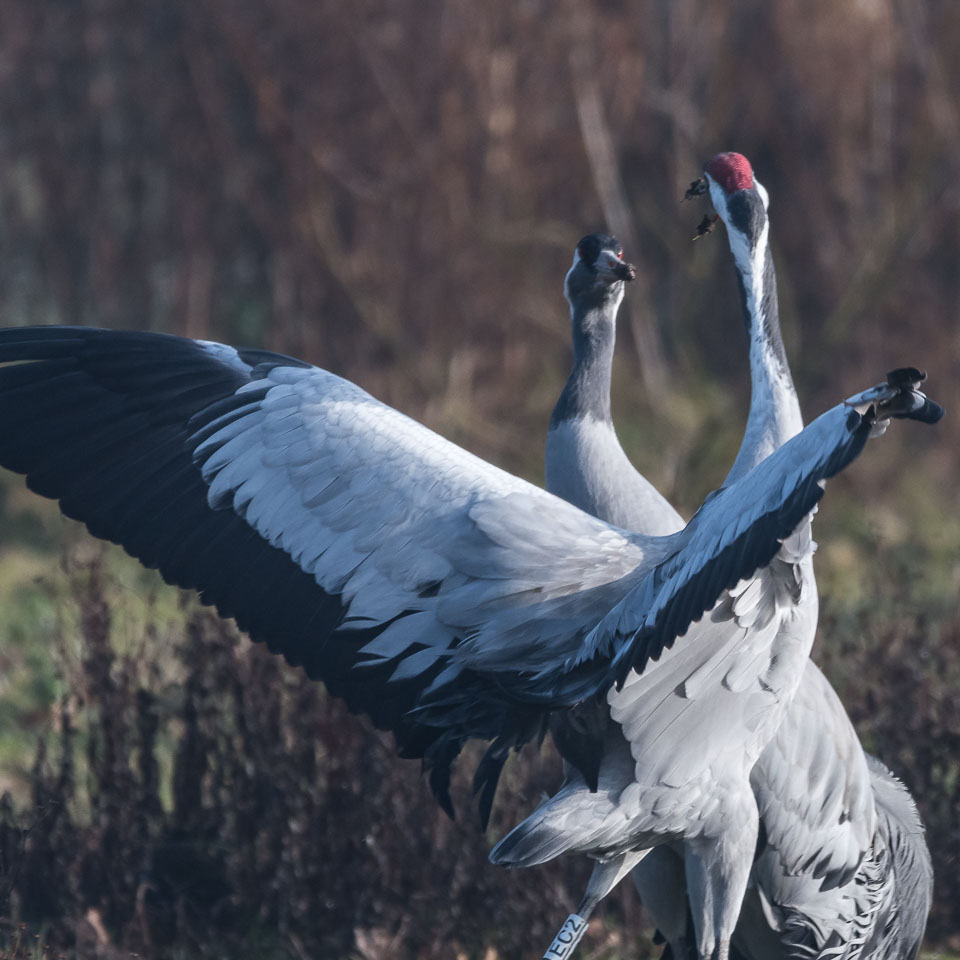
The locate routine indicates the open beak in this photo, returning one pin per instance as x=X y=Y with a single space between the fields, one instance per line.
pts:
x=701 y=188
x=610 y=266
x=697 y=188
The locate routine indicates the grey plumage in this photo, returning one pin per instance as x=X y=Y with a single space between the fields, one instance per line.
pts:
x=585 y=463
x=805 y=847
x=825 y=872
x=899 y=931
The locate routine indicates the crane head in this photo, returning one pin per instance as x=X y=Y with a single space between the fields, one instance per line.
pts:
x=738 y=197
x=598 y=270
x=731 y=171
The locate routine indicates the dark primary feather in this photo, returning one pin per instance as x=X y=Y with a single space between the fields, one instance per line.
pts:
x=691 y=588
x=106 y=423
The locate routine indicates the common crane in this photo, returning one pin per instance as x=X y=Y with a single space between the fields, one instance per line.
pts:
x=440 y=595
x=855 y=881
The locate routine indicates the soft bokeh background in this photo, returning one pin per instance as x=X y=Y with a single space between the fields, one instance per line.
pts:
x=394 y=190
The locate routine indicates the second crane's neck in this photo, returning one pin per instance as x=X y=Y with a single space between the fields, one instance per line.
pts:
x=587 y=391
x=774 y=410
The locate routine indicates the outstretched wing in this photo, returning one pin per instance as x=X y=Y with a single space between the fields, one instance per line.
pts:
x=742 y=526
x=390 y=563
x=346 y=536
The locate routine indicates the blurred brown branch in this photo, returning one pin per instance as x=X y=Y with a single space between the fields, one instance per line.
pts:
x=601 y=151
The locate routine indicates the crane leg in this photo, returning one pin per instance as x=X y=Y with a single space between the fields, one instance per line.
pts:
x=662 y=884
x=717 y=874
x=606 y=875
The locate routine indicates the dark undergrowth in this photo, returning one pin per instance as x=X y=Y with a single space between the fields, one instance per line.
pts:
x=195 y=797
x=222 y=805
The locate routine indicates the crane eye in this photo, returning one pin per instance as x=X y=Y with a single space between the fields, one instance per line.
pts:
x=619 y=254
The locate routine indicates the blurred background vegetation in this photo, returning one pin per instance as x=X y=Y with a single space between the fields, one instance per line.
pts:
x=393 y=191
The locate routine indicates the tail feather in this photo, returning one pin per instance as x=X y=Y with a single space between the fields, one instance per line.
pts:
x=534 y=841
x=575 y=819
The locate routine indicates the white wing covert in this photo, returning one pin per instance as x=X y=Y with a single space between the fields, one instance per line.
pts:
x=813 y=789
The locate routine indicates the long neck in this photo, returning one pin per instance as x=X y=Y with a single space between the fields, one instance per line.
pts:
x=774 y=410
x=587 y=392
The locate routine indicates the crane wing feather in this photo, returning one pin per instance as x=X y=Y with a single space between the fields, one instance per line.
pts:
x=340 y=532
x=333 y=528
x=813 y=790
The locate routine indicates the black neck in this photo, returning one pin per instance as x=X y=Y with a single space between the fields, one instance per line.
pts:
x=587 y=392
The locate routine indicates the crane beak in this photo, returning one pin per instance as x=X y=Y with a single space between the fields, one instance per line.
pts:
x=697 y=188
x=611 y=267
x=625 y=271
x=701 y=188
